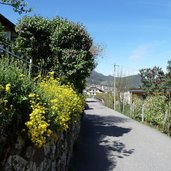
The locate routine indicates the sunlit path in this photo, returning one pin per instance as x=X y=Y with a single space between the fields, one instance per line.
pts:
x=110 y=141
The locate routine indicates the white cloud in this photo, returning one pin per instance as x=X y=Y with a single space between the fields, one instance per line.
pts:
x=139 y=53
x=142 y=52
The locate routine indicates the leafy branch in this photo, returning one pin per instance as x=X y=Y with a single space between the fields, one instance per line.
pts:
x=19 y=6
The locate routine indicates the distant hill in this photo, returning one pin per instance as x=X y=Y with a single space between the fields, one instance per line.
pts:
x=100 y=79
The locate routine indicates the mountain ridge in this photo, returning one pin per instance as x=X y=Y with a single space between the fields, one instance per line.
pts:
x=97 y=78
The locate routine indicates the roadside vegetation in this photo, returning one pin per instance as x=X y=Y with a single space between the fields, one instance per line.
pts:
x=43 y=74
x=43 y=98
x=41 y=108
x=153 y=108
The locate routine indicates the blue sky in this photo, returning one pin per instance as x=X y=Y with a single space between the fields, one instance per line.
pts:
x=135 y=34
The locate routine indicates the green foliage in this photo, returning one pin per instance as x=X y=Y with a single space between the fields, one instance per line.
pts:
x=169 y=66
x=71 y=43
x=107 y=98
x=55 y=108
x=155 y=108
x=168 y=74
x=58 y=45
x=167 y=121
x=42 y=107
x=19 y=6
x=75 y=66
x=33 y=40
x=69 y=35
x=2 y=34
x=126 y=109
x=15 y=85
x=118 y=106
x=153 y=80
x=137 y=108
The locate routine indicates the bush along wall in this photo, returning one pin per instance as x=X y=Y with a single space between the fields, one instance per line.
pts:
x=154 y=111
x=39 y=120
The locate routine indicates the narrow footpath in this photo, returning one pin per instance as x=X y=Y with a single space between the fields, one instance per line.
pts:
x=111 y=141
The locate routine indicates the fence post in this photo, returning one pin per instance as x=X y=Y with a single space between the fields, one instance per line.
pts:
x=123 y=107
x=165 y=119
x=130 y=109
x=142 y=114
x=30 y=67
x=169 y=119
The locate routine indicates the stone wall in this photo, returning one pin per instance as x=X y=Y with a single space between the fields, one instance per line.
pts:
x=52 y=157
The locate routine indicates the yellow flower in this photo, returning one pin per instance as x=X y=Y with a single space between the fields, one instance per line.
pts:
x=51 y=73
x=62 y=106
x=8 y=88
x=49 y=133
x=22 y=75
x=31 y=95
x=38 y=126
x=5 y=101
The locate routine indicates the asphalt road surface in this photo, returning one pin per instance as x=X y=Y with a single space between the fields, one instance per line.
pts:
x=111 y=141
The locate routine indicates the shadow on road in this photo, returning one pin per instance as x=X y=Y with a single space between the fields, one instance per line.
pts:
x=96 y=149
x=88 y=108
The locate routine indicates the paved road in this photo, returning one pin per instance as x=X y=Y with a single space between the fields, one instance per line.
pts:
x=110 y=141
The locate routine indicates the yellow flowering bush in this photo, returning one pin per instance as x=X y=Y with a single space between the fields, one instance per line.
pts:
x=6 y=108
x=38 y=126
x=45 y=106
x=15 y=85
x=54 y=108
x=64 y=103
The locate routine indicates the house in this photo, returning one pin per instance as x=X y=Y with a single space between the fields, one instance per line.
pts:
x=92 y=91
x=128 y=96
x=9 y=28
x=137 y=92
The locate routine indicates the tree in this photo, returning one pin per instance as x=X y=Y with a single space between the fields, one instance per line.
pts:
x=59 y=45
x=168 y=75
x=123 y=83
x=153 y=80
x=168 y=78
x=96 y=49
x=19 y=6
x=2 y=34
x=71 y=44
x=33 y=40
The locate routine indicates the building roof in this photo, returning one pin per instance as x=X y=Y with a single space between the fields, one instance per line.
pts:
x=93 y=87
x=136 y=91
x=7 y=23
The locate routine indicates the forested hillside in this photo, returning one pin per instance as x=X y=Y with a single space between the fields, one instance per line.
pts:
x=100 y=79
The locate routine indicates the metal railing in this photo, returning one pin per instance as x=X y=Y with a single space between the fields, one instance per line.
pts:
x=5 y=49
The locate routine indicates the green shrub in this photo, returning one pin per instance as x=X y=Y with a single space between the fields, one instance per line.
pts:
x=55 y=108
x=127 y=109
x=107 y=99
x=137 y=108
x=59 y=45
x=155 y=107
x=14 y=87
x=42 y=107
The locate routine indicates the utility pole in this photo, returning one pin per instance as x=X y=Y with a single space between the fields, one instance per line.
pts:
x=114 y=86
